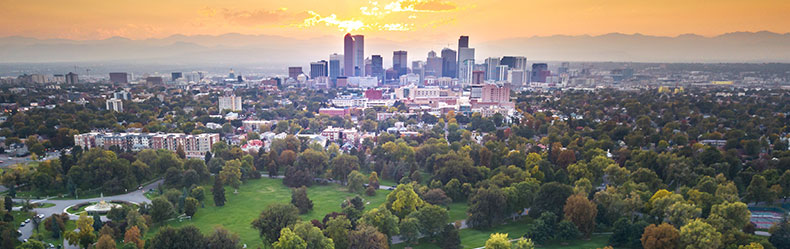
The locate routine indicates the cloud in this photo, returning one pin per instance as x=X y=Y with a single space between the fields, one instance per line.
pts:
x=399 y=15
x=261 y=16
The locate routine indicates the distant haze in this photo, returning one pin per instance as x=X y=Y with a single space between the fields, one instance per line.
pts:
x=278 y=52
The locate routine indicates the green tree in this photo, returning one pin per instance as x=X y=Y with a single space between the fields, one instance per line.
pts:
x=356 y=182
x=449 y=238
x=186 y=237
x=190 y=206
x=498 y=241
x=487 y=207
x=403 y=200
x=758 y=190
x=33 y=244
x=300 y=200
x=313 y=236
x=432 y=219
x=566 y=231
x=699 y=235
x=342 y=165
x=273 y=219
x=680 y=213
x=161 y=209
x=221 y=238
x=552 y=198
x=337 y=229
x=780 y=235
x=219 y=192
x=231 y=173
x=383 y=220
x=409 y=229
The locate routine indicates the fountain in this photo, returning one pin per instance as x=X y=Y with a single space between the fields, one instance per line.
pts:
x=102 y=207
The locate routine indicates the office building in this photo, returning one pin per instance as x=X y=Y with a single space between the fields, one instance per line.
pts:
x=433 y=65
x=72 y=78
x=176 y=75
x=114 y=105
x=335 y=67
x=294 y=72
x=399 y=63
x=463 y=42
x=119 y=78
x=124 y=95
x=449 y=64
x=154 y=80
x=478 y=77
x=377 y=67
x=318 y=69
x=348 y=55
x=491 y=65
x=492 y=93
x=539 y=72
x=514 y=62
x=231 y=102
x=359 y=55
x=501 y=73
x=466 y=64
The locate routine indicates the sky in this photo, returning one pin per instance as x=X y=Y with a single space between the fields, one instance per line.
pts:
x=401 y=20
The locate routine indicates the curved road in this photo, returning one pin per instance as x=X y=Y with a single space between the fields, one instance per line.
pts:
x=136 y=196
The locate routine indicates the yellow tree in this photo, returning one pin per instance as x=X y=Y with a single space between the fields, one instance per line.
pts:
x=498 y=241
x=581 y=211
x=132 y=235
x=85 y=236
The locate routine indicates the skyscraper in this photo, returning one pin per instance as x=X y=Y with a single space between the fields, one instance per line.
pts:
x=399 y=63
x=463 y=42
x=539 y=72
x=335 y=65
x=318 y=69
x=294 y=72
x=463 y=55
x=433 y=65
x=119 y=77
x=491 y=66
x=377 y=67
x=466 y=64
x=515 y=62
x=359 y=55
x=449 y=64
x=72 y=78
x=348 y=55
x=176 y=75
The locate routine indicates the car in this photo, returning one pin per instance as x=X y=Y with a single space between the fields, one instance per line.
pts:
x=19 y=232
x=22 y=224
x=390 y=188
x=27 y=221
x=24 y=240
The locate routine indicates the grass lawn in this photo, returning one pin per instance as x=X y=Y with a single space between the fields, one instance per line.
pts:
x=254 y=195
x=458 y=211
x=471 y=238
x=20 y=217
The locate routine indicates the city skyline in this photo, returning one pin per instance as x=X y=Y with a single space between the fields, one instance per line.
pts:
x=395 y=19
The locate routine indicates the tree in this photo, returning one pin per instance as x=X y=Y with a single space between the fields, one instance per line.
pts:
x=231 y=173
x=289 y=240
x=486 y=207
x=780 y=235
x=219 y=192
x=566 y=231
x=663 y=236
x=498 y=241
x=221 y=238
x=367 y=237
x=436 y=197
x=449 y=238
x=161 y=209
x=300 y=200
x=85 y=236
x=524 y=243
x=97 y=223
x=356 y=182
x=758 y=190
x=34 y=244
x=313 y=236
x=373 y=180
x=409 y=230
x=56 y=223
x=383 y=220
x=403 y=200
x=132 y=235
x=680 y=213
x=727 y=215
x=699 y=235
x=187 y=237
x=105 y=242
x=552 y=198
x=190 y=206
x=432 y=219
x=581 y=211
x=342 y=165
x=626 y=233
x=273 y=219
x=337 y=229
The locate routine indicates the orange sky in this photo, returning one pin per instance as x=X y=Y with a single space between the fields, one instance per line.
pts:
x=390 y=19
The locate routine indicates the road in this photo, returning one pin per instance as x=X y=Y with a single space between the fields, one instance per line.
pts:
x=136 y=196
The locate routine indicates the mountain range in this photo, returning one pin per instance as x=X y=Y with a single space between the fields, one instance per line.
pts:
x=278 y=51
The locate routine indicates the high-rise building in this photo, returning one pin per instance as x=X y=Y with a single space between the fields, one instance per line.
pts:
x=176 y=75
x=478 y=77
x=399 y=63
x=72 y=78
x=114 y=105
x=433 y=65
x=294 y=72
x=466 y=64
x=463 y=42
x=539 y=72
x=514 y=62
x=231 y=102
x=449 y=64
x=318 y=69
x=501 y=73
x=359 y=55
x=418 y=68
x=119 y=78
x=492 y=93
x=348 y=55
x=335 y=66
x=377 y=67
x=491 y=66
x=123 y=95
